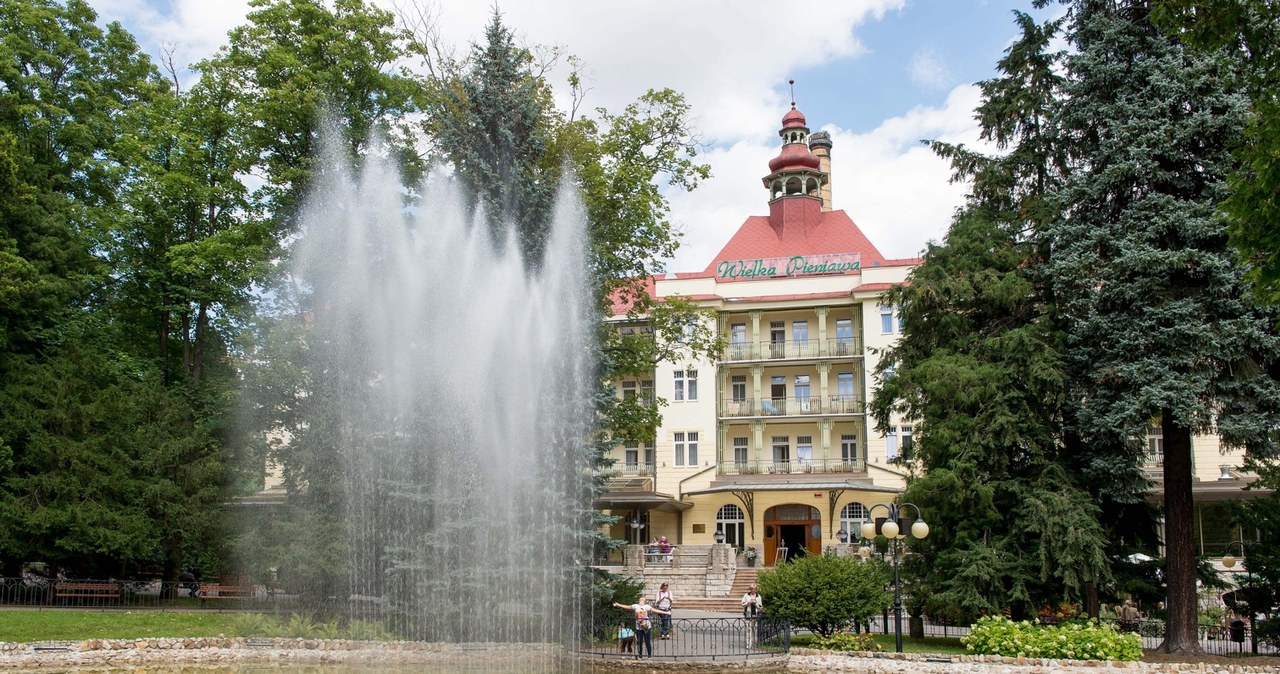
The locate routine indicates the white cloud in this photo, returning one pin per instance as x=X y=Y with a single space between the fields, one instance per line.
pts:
x=927 y=70
x=732 y=67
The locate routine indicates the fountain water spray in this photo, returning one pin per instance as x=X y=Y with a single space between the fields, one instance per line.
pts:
x=458 y=385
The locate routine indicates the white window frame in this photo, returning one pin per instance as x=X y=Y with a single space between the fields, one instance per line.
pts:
x=677 y=458
x=729 y=519
x=679 y=386
x=691 y=385
x=852 y=517
x=886 y=319
x=891 y=443
x=741 y=451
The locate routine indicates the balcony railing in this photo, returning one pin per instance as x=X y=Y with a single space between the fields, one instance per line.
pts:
x=796 y=466
x=808 y=348
x=788 y=407
x=636 y=469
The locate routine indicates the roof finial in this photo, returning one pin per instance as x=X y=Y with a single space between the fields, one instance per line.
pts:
x=793 y=93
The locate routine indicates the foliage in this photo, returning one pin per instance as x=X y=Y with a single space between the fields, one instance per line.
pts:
x=847 y=641
x=981 y=371
x=1161 y=327
x=1089 y=640
x=1250 y=33
x=284 y=75
x=824 y=593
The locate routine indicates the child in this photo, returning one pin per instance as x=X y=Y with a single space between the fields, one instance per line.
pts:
x=626 y=639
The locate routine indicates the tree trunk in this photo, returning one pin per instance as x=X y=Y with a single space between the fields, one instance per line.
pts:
x=1179 y=540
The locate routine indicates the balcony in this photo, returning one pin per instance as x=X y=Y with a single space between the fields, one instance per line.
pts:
x=791 y=407
x=795 y=467
x=636 y=469
x=739 y=352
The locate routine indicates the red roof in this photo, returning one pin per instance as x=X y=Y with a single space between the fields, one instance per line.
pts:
x=787 y=232
x=793 y=118
x=621 y=304
x=794 y=156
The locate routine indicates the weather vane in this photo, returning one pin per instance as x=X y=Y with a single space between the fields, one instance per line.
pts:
x=793 y=92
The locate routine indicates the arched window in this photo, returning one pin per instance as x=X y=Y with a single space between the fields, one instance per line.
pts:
x=729 y=520
x=851 y=518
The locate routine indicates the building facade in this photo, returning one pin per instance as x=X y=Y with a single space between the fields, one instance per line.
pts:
x=769 y=443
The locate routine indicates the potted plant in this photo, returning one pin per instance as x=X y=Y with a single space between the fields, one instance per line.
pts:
x=750 y=554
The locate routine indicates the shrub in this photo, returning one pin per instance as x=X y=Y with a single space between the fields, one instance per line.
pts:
x=824 y=594
x=1088 y=640
x=846 y=641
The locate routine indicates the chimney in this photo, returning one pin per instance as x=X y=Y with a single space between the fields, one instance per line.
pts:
x=820 y=146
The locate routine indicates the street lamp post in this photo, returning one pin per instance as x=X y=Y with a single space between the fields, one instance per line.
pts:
x=1229 y=561
x=891 y=528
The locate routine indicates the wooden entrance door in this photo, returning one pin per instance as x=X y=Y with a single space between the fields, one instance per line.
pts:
x=795 y=527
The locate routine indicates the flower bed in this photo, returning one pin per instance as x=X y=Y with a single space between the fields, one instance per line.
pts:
x=1073 y=640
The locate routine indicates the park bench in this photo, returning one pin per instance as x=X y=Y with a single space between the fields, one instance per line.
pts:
x=75 y=589
x=224 y=591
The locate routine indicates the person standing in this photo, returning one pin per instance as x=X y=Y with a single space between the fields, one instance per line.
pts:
x=1129 y=617
x=644 y=625
x=665 y=601
x=752 y=605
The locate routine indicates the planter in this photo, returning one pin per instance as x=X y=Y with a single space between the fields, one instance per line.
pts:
x=751 y=561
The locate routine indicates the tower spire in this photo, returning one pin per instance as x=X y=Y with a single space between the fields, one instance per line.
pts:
x=793 y=93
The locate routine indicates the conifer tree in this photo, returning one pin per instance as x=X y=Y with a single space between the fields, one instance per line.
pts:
x=1161 y=327
x=980 y=369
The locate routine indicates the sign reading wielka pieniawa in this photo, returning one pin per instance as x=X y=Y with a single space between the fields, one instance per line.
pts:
x=796 y=265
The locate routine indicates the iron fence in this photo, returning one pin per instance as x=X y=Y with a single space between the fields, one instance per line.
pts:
x=95 y=593
x=695 y=639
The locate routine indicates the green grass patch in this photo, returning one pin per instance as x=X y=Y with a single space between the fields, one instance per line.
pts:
x=22 y=625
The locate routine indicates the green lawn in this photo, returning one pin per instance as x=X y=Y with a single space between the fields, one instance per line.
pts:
x=22 y=625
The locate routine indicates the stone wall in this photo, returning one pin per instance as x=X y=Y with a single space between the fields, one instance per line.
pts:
x=807 y=660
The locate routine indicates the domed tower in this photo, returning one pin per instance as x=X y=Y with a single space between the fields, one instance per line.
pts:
x=795 y=177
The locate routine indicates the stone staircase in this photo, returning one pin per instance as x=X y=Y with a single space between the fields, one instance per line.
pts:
x=732 y=603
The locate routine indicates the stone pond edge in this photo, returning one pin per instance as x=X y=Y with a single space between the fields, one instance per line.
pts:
x=239 y=650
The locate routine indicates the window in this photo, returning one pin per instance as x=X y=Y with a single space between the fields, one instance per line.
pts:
x=849 y=449
x=844 y=336
x=638 y=460
x=891 y=443
x=802 y=392
x=1155 y=444
x=740 y=452
x=691 y=383
x=729 y=521
x=804 y=449
x=886 y=319
x=907 y=445
x=628 y=390
x=777 y=402
x=646 y=391
x=777 y=339
x=782 y=453
x=800 y=332
x=852 y=516
x=844 y=399
x=738 y=341
x=738 y=387
x=686 y=449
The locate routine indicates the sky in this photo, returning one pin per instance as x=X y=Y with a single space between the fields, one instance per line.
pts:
x=879 y=75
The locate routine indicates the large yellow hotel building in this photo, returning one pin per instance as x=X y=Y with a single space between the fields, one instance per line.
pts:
x=770 y=443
